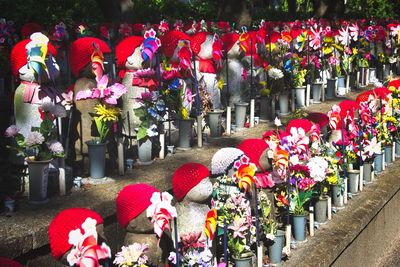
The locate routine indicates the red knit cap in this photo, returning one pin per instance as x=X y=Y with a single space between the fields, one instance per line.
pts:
x=169 y=41
x=318 y=117
x=363 y=97
x=81 y=51
x=64 y=222
x=125 y=48
x=381 y=92
x=229 y=40
x=299 y=123
x=395 y=83
x=196 y=41
x=253 y=148
x=186 y=177
x=19 y=56
x=348 y=105
x=30 y=28
x=4 y=262
x=132 y=200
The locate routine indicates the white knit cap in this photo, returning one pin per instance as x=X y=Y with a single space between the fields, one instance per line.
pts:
x=223 y=160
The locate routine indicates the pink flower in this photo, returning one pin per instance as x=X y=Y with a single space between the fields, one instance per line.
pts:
x=264 y=180
x=305 y=184
x=161 y=212
x=11 y=131
x=86 y=252
x=238 y=226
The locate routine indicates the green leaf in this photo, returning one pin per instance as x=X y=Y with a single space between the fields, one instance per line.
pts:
x=142 y=133
x=140 y=112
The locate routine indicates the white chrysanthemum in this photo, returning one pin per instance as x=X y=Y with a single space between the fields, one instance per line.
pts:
x=318 y=167
x=275 y=73
x=34 y=138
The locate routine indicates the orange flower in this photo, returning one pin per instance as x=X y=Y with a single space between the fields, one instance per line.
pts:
x=211 y=224
x=282 y=200
x=245 y=175
x=281 y=158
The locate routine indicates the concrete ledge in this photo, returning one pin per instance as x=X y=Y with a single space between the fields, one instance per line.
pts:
x=26 y=230
x=359 y=234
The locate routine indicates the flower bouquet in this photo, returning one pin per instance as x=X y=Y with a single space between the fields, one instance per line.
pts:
x=302 y=189
x=236 y=214
x=106 y=114
x=41 y=143
x=132 y=256
x=177 y=96
x=151 y=111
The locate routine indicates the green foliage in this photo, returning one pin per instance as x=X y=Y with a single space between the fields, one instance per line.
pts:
x=155 y=10
x=49 y=13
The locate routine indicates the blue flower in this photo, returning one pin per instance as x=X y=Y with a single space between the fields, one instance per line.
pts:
x=160 y=105
x=174 y=85
x=288 y=66
x=152 y=112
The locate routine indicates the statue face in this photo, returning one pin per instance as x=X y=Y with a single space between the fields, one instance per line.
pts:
x=201 y=192
x=26 y=74
x=134 y=61
x=235 y=51
x=206 y=48
x=141 y=224
x=264 y=161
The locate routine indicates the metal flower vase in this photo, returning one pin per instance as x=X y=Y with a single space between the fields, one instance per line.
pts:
x=330 y=88
x=316 y=92
x=265 y=108
x=354 y=178
x=378 y=163
x=300 y=93
x=185 y=134
x=244 y=262
x=337 y=196
x=97 y=159
x=367 y=172
x=299 y=227
x=215 y=123
x=320 y=210
x=275 y=250
x=38 y=181
x=341 y=87
x=284 y=103
x=240 y=114
x=388 y=154
x=397 y=149
x=145 y=151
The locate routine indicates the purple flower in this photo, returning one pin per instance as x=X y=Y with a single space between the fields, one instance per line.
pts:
x=12 y=131
x=56 y=148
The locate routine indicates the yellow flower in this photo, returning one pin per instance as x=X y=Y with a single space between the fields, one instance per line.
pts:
x=107 y=113
x=355 y=51
x=331 y=178
x=185 y=114
x=221 y=83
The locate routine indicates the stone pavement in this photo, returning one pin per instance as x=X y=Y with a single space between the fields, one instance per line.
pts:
x=26 y=230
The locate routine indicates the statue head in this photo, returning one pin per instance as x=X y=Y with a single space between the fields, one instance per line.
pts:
x=191 y=182
x=132 y=202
